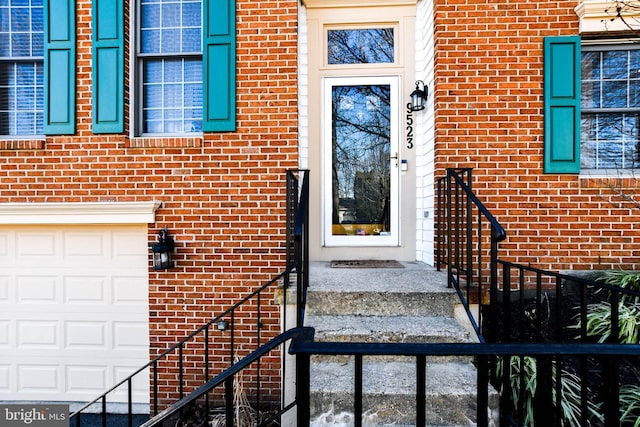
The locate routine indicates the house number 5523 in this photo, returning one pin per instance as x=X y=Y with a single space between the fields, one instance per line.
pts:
x=409 y=127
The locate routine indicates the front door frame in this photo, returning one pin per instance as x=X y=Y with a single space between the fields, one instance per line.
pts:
x=320 y=18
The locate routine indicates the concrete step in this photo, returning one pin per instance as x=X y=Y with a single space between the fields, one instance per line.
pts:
x=400 y=329
x=416 y=290
x=416 y=329
x=368 y=303
x=404 y=305
x=389 y=390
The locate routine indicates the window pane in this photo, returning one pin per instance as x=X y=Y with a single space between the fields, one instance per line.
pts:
x=171 y=15
x=614 y=94
x=20 y=19
x=172 y=83
x=355 y=46
x=21 y=83
x=5 y=45
x=150 y=16
x=21 y=23
x=590 y=66
x=614 y=65
x=170 y=41
x=191 y=14
x=37 y=22
x=171 y=26
x=610 y=81
x=191 y=40
x=590 y=96
x=609 y=141
x=167 y=90
x=150 y=42
x=21 y=94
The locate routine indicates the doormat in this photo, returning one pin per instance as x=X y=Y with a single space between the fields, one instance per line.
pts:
x=367 y=263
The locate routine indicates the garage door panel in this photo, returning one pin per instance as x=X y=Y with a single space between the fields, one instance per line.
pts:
x=5 y=333
x=129 y=335
x=4 y=289
x=40 y=334
x=79 y=246
x=34 y=378
x=42 y=289
x=5 y=378
x=87 y=379
x=84 y=334
x=73 y=311
x=84 y=290
x=139 y=385
x=127 y=290
x=38 y=246
x=127 y=245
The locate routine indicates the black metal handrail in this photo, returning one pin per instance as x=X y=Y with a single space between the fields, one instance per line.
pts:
x=226 y=379
x=552 y=309
x=297 y=263
x=461 y=223
x=527 y=305
x=304 y=347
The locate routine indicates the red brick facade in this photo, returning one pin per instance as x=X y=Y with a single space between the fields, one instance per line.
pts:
x=223 y=195
x=489 y=116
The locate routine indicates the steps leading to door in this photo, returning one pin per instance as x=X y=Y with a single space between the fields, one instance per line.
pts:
x=410 y=304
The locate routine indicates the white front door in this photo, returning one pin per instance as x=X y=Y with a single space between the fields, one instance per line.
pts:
x=360 y=161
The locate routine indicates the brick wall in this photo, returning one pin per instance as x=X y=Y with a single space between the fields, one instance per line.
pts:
x=223 y=196
x=489 y=106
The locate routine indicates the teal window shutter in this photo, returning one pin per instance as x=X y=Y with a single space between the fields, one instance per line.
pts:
x=60 y=67
x=562 y=104
x=219 y=65
x=108 y=66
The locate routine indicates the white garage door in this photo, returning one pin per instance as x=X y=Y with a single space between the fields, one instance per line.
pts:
x=73 y=311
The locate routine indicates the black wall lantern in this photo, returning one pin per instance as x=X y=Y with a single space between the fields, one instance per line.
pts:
x=162 y=251
x=419 y=96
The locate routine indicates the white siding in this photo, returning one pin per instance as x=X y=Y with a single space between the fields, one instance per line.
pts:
x=425 y=135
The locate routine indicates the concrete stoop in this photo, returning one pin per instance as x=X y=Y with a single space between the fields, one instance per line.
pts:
x=410 y=304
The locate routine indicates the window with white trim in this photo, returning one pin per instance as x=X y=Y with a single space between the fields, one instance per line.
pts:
x=170 y=67
x=610 y=107
x=21 y=67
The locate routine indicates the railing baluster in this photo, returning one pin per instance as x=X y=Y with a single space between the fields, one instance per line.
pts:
x=506 y=304
x=233 y=336
x=538 y=306
x=104 y=411
x=482 y=403
x=559 y=304
x=421 y=393
x=357 y=398
x=615 y=317
x=206 y=367
x=228 y=402
x=129 y=402
x=180 y=373
x=302 y=389
x=155 y=387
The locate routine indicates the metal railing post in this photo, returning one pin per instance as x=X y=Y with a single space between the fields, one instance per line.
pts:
x=303 y=384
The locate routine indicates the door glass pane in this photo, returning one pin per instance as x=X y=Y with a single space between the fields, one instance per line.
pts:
x=361 y=145
x=360 y=46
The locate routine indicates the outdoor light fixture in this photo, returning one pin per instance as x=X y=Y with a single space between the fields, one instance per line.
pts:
x=419 y=96
x=162 y=251
x=223 y=325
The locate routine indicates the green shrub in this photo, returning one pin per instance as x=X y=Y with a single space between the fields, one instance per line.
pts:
x=570 y=390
